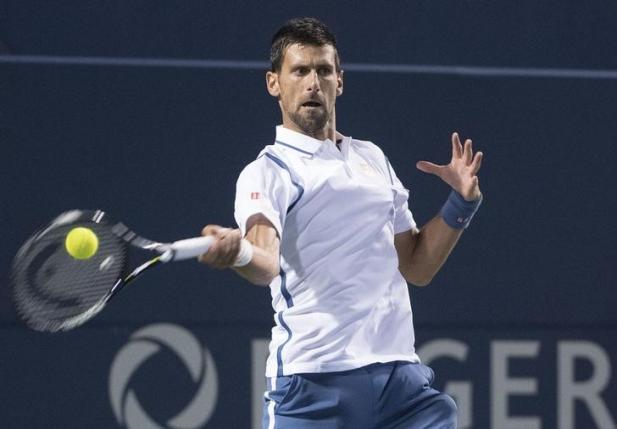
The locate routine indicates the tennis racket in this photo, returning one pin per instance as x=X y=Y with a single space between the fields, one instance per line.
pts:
x=54 y=291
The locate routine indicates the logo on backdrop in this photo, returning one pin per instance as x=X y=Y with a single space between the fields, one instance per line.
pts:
x=198 y=362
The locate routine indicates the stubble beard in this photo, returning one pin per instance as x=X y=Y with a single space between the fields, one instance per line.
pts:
x=311 y=123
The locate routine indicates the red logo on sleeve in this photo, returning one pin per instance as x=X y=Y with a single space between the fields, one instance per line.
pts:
x=254 y=195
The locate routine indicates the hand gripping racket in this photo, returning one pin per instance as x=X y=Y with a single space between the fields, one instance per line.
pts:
x=54 y=291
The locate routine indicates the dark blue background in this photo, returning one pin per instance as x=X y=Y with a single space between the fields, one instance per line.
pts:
x=161 y=147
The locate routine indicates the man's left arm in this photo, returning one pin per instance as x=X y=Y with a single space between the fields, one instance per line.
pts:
x=421 y=253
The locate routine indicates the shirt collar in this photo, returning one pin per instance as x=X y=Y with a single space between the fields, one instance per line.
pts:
x=300 y=142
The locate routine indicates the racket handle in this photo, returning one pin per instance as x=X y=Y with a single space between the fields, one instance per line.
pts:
x=187 y=249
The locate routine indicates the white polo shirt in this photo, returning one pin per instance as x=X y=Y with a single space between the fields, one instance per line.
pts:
x=340 y=302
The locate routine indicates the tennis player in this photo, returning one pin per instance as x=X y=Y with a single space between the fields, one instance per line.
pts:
x=324 y=221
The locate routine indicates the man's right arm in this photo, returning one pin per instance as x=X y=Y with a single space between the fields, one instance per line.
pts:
x=264 y=264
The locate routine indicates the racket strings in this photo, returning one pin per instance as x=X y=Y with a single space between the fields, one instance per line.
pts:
x=50 y=286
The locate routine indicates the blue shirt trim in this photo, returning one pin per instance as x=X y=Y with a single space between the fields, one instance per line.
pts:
x=288 y=300
x=290 y=303
x=284 y=166
x=292 y=147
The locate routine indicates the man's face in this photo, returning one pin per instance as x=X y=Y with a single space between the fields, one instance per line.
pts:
x=307 y=86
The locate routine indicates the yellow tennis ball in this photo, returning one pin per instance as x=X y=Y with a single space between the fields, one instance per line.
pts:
x=81 y=243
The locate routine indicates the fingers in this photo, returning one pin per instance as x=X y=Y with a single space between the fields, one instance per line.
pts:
x=467 y=152
x=476 y=163
x=464 y=152
x=223 y=252
x=226 y=249
x=457 y=149
x=211 y=230
x=429 y=167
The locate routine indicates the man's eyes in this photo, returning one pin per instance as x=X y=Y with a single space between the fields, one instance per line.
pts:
x=322 y=71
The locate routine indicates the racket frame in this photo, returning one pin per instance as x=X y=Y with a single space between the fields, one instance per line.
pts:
x=166 y=252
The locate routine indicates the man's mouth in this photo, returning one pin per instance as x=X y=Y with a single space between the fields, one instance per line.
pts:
x=311 y=104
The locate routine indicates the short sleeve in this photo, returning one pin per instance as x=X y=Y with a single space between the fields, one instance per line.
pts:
x=403 y=218
x=264 y=186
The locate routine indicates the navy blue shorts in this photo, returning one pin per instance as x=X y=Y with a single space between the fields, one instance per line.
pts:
x=379 y=396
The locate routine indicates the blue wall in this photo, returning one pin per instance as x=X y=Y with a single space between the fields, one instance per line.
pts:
x=160 y=148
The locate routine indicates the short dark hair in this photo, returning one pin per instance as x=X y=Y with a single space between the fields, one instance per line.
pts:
x=305 y=31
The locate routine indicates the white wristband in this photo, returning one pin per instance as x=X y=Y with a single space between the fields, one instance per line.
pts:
x=245 y=254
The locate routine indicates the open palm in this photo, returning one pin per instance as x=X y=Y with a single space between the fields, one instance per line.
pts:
x=461 y=172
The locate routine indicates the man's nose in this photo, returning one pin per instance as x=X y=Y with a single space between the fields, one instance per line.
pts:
x=313 y=81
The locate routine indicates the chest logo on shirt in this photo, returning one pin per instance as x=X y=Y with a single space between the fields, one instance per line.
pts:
x=254 y=195
x=366 y=169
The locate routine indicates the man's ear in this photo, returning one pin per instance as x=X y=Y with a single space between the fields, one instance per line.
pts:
x=339 y=83
x=272 y=83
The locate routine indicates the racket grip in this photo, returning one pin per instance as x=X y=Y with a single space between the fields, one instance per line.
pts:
x=187 y=249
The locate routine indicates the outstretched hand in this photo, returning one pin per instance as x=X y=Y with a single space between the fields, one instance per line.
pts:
x=461 y=172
